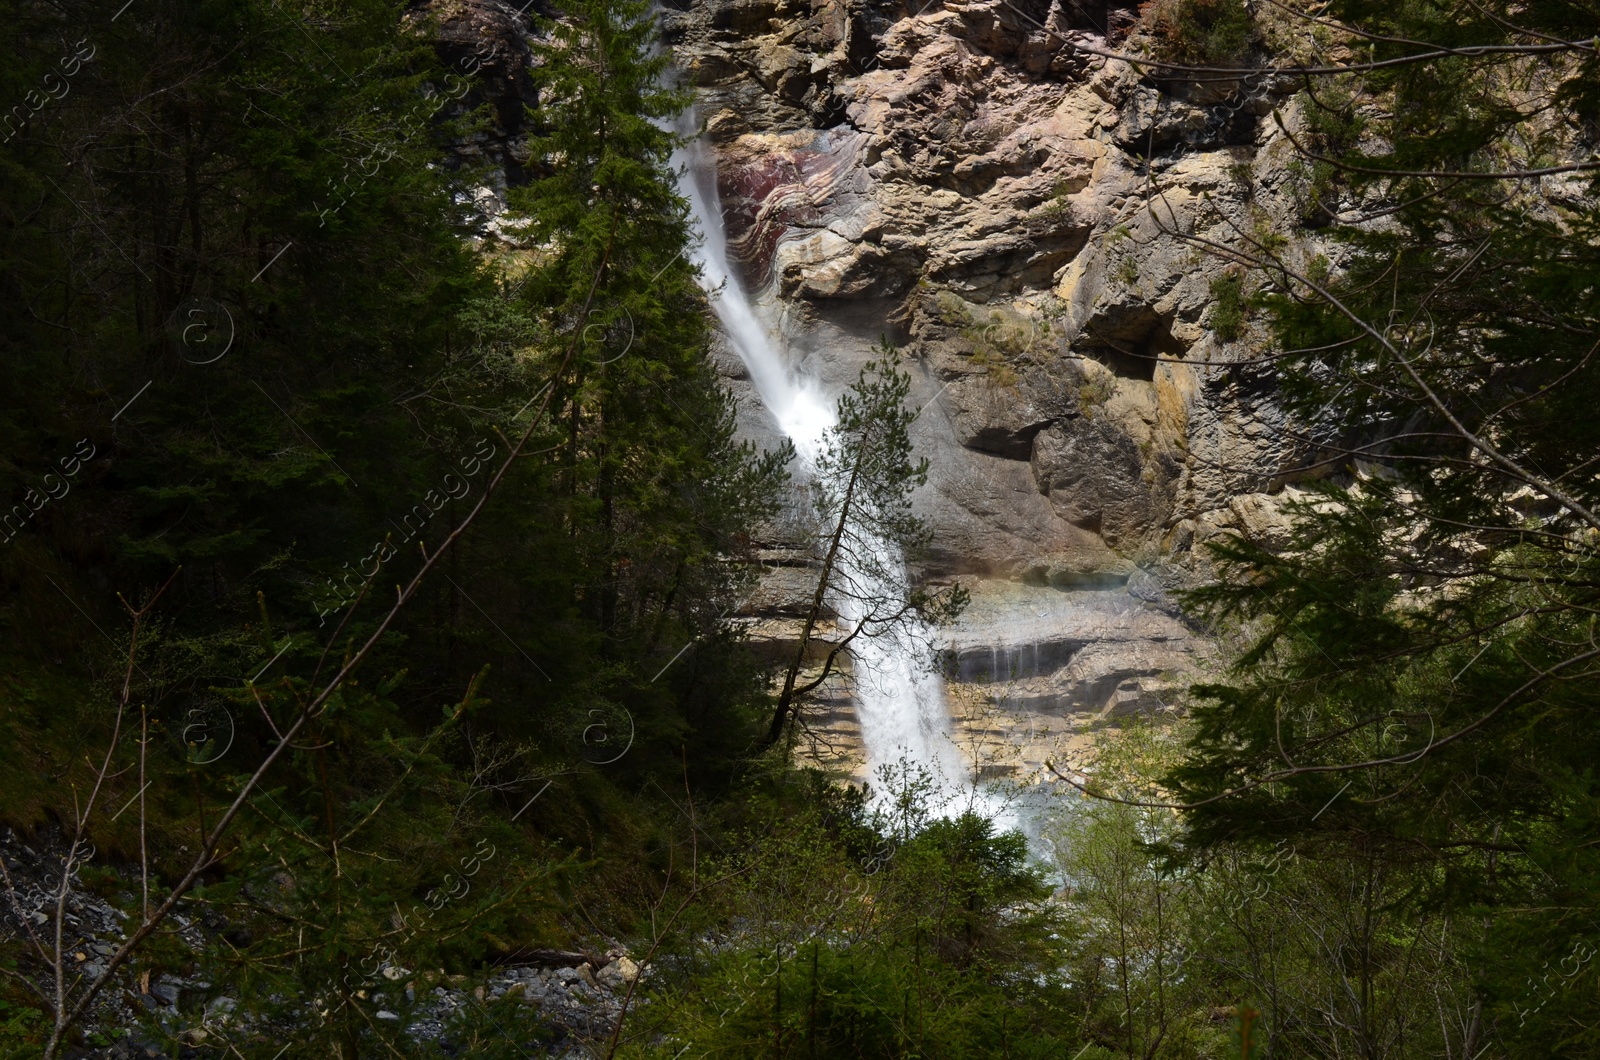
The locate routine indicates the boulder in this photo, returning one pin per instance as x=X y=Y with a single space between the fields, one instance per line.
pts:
x=619 y=974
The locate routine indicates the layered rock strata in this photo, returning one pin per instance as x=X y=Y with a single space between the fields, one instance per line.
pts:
x=1014 y=213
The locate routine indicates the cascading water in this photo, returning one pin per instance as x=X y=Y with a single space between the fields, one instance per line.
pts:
x=899 y=701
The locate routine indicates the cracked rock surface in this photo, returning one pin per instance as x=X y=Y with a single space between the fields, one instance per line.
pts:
x=1012 y=212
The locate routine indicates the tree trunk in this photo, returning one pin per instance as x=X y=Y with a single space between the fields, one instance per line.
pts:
x=786 y=699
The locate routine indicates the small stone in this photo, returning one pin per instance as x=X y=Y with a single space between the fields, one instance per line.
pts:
x=619 y=973
x=386 y=1015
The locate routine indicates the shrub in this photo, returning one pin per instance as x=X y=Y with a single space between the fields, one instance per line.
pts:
x=1095 y=391
x=21 y=1030
x=1202 y=32
x=1228 y=306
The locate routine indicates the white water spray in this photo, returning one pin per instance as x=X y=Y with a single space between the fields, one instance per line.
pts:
x=900 y=702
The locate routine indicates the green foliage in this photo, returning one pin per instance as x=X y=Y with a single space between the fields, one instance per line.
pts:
x=1058 y=210
x=866 y=472
x=21 y=1030
x=1201 y=32
x=1331 y=949
x=998 y=338
x=1411 y=712
x=1097 y=388
x=1229 y=307
x=1246 y=1032
x=642 y=514
x=1333 y=125
x=1390 y=849
x=865 y=529
x=869 y=932
x=840 y=1002
x=277 y=171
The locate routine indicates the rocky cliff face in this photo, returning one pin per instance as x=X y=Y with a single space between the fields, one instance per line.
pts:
x=959 y=177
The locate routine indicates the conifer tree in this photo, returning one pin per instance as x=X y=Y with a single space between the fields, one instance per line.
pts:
x=1421 y=684
x=865 y=532
x=276 y=171
x=651 y=499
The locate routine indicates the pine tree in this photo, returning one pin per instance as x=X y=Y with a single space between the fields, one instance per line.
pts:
x=650 y=499
x=241 y=205
x=865 y=532
x=1420 y=686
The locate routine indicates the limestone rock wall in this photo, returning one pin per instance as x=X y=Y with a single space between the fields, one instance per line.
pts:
x=956 y=177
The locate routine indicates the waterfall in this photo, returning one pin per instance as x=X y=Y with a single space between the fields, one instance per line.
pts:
x=900 y=701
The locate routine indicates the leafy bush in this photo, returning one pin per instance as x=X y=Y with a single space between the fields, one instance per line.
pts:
x=869 y=931
x=1202 y=32
x=21 y=1030
x=1229 y=307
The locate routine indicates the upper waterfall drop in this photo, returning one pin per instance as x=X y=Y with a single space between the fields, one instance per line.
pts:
x=899 y=700
x=797 y=403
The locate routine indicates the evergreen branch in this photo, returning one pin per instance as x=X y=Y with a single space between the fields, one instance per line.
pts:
x=1445 y=174
x=1408 y=758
